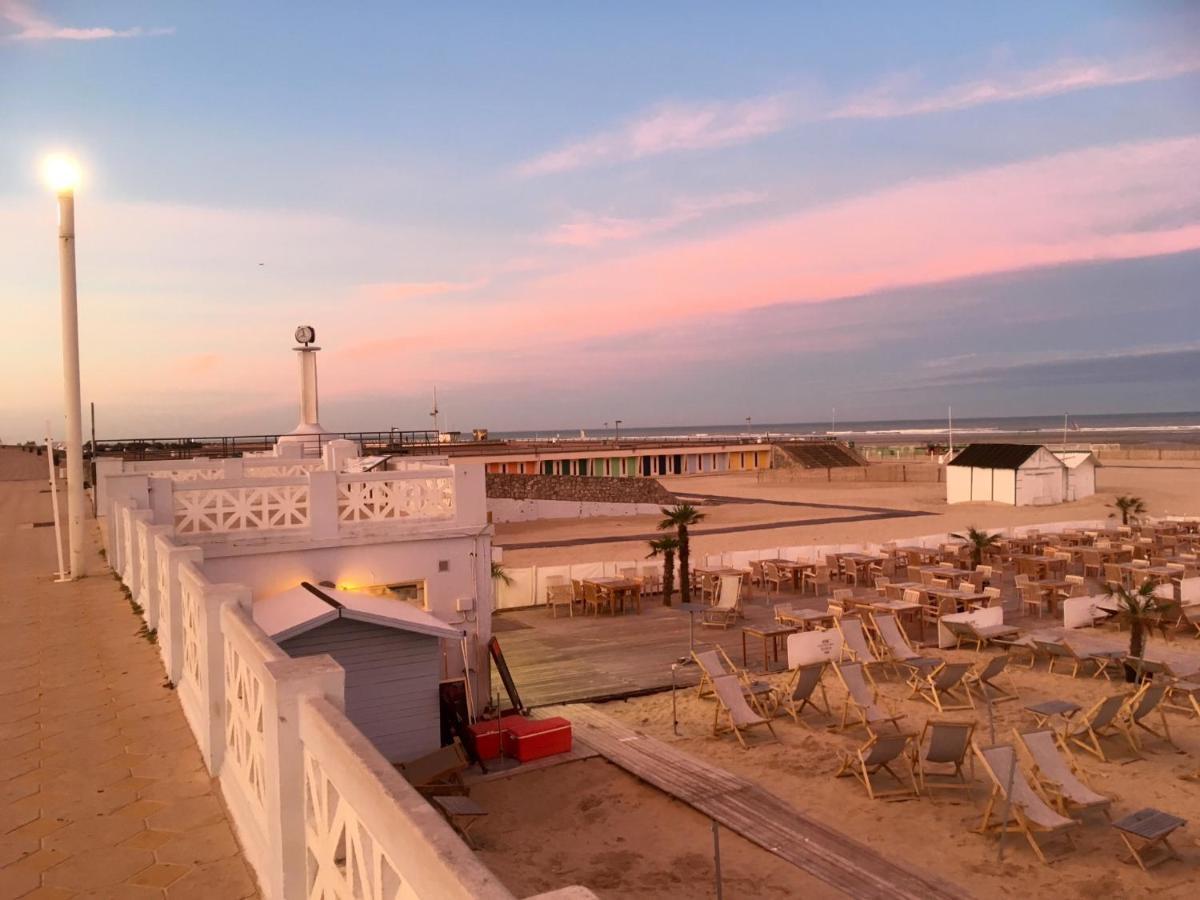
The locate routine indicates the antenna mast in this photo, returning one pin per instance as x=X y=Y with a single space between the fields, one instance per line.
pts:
x=434 y=412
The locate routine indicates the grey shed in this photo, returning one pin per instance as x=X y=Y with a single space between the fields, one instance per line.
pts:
x=391 y=652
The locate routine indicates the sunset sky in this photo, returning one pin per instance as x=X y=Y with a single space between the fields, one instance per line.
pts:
x=567 y=213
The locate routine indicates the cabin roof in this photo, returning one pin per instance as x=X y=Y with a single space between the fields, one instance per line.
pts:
x=308 y=606
x=995 y=456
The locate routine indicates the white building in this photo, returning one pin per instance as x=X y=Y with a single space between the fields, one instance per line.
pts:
x=1016 y=474
x=1081 y=473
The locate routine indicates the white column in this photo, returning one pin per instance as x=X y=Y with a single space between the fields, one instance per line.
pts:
x=309 y=414
x=71 y=393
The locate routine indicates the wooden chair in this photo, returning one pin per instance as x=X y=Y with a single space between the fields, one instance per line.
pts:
x=1031 y=596
x=594 y=598
x=1139 y=709
x=993 y=597
x=716 y=662
x=894 y=645
x=1086 y=731
x=737 y=714
x=881 y=583
x=1093 y=564
x=728 y=606
x=877 y=755
x=949 y=744
x=862 y=700
x=772 y=577
x=817 y=578
x=1028 y=813
x=943 y=687
x=801 y=691
x=984 y=681
x=856 y=647
x=1059 y=777
x=560 y=595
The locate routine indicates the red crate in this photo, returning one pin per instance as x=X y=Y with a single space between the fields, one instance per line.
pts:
x=487 y=734
x=530 y=739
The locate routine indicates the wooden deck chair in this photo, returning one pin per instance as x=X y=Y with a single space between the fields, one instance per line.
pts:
x=716 y=663
x=855 y=646
x=893 y=644
x=728 y=604
x=949 y=744
x=943 y=687
x=878 y=755
x=1028 y=812
x=593 y=598
x=1137 y=711
x=1097 y=722
x=862 y=699
x=1059 y=776
x=1060 y=650
x=560 y=595
x=732 y=705
x=439 y=772
x=772 y=577
x=984 y=681
x=801 y=692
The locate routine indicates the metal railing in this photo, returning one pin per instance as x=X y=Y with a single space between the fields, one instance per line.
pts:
x=224 y=446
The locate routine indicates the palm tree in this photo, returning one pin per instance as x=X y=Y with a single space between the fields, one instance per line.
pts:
x=680 y=517
x=666 y=547
x=1139 y=609
x=979 y=542
x=499 y=573
x=1130 y=508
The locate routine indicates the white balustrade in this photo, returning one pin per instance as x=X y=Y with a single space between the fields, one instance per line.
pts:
x=396 y=496
x=235 y=507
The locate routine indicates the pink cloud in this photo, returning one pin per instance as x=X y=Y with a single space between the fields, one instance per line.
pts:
x=669 y=128
x=33 y=26
x=398 y=291
x=1076 y=206
x=593 y=230
x=888 y=100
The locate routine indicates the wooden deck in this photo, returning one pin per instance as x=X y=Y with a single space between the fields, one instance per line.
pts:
x=754 y=813
x=593 y=658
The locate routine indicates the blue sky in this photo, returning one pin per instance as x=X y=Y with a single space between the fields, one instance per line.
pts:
x=562 y=214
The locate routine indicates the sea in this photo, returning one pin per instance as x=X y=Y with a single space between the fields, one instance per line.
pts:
x=1157 y=429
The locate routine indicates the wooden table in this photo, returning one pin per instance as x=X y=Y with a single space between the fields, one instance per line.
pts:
x=1157 y=572
x=964 y=598
x=1046 y=710
x=947 y=572
x=895 y=589
x=1152 y=827
x=1049 y=588
x=795 y=567
x=803 y=619
x=770 y=635
x=923 y=554
x=618 y=588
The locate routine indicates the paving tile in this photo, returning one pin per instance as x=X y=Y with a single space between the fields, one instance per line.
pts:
x=41 y=860
x=183 y=815
x=15 y=881
x=159 y=875
x=151 y=840
x=49 y=893
x=206 y=844
x=16 y=846
x=16 y=813
x=98 y=868
x=42 y=826
x=93 y=832
x=228 y=879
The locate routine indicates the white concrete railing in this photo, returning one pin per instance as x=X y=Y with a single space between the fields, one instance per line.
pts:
x=226 y=506
x=312 y=801
x=425 y=493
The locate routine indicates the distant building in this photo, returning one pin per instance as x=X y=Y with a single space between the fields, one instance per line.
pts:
x=1016 y=474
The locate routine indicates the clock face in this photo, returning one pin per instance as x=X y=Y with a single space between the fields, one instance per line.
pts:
x=305 y=334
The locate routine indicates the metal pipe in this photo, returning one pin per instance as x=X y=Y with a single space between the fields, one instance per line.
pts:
x=71 y=390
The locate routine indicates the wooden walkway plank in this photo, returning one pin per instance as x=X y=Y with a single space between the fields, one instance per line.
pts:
x=753 y=812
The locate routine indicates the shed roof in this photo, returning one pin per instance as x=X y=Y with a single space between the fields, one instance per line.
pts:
x=995 y=456
x=1073 y=459
x=307 y=606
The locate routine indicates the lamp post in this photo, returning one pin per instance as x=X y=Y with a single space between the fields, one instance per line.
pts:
x=617 y=438
x=62 y=174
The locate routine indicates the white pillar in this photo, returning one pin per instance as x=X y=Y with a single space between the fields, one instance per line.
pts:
x=70 y=347
x=308 y=386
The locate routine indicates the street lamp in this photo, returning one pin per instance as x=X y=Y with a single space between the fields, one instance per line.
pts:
x=747 y=425
x=62 y=175
x=617 y=437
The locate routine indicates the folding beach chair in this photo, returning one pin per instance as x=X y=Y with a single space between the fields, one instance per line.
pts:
x=728 y=604
x=855 y=646
x=1096 y=723
x=877 y=755
x=801 y=692
x=439 y=772
x=1028 y=812
x=949 y=744
x=984 y=681
x=979 y=635
x=894 y=644
x=1137 y=711
x=862 y=699
x=715 y=663
x=1059 y=776
x=737 y=712
x=943 y=687
x=1060 y=650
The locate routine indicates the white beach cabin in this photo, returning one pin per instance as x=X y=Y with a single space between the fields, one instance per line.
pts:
x=391 y=652
x=1016 y=474
x=1081 y=473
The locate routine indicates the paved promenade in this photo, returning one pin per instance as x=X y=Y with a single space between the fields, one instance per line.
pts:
x=102 y=790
